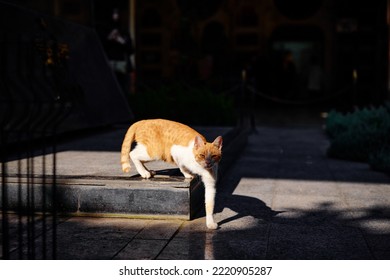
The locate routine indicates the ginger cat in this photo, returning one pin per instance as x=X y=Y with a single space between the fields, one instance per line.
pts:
x=177 y=143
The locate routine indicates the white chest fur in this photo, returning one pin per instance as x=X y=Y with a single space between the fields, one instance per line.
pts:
x=185 y=160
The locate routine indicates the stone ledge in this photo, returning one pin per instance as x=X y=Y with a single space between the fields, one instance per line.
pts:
x=160 y=196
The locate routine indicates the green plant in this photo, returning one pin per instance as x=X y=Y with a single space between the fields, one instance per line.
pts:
x=336 y=124
x=380 y=159
x=362 y=135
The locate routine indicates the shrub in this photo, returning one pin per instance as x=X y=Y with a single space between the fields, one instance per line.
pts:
x=361 y=135
x=336 y=124
x=380 y=159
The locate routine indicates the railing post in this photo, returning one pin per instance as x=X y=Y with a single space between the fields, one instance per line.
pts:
x=242 y=97
x=354 y=90
x=247 y=106
x=4 y=117
x=4 y=199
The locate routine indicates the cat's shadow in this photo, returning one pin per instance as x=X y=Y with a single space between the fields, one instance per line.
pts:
x=170 y=174
x=244 y=206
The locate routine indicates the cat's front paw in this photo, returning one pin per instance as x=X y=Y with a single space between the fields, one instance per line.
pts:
x=212 y=225
x=146 y=175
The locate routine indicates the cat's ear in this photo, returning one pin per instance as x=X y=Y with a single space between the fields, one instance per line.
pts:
x=198 y=142
x=218 y=142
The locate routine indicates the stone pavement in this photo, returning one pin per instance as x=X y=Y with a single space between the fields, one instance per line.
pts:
x=282 y=199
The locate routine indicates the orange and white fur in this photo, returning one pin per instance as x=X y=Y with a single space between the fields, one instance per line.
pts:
x=177 y=143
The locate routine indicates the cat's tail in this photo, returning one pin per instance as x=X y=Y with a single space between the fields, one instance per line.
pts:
x=126 y=146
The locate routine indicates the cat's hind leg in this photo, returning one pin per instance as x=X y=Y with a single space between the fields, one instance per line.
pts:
x=139 y=156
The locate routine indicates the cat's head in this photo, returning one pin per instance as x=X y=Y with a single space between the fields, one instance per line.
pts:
x=208 y=154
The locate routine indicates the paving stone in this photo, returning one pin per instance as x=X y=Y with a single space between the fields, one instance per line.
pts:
x=139 y=249
x=379 y=245
x=365 y=195
x=184 y=249
x=255 y=186
x=90 y=238
x=306 y=187
x=24 y=228
x=298 y=202
x=159 y=229
x=206 y=247
x=307 y=242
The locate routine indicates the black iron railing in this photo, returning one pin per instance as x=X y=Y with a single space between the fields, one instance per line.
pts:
x=35 y=98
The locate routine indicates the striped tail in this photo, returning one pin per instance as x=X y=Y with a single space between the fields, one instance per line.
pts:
x=126 y=146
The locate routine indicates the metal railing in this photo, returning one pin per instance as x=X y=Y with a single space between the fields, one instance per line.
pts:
x=35 y=98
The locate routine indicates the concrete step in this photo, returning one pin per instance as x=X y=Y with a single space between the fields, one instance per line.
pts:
x=101 y=196
x=89 y=180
